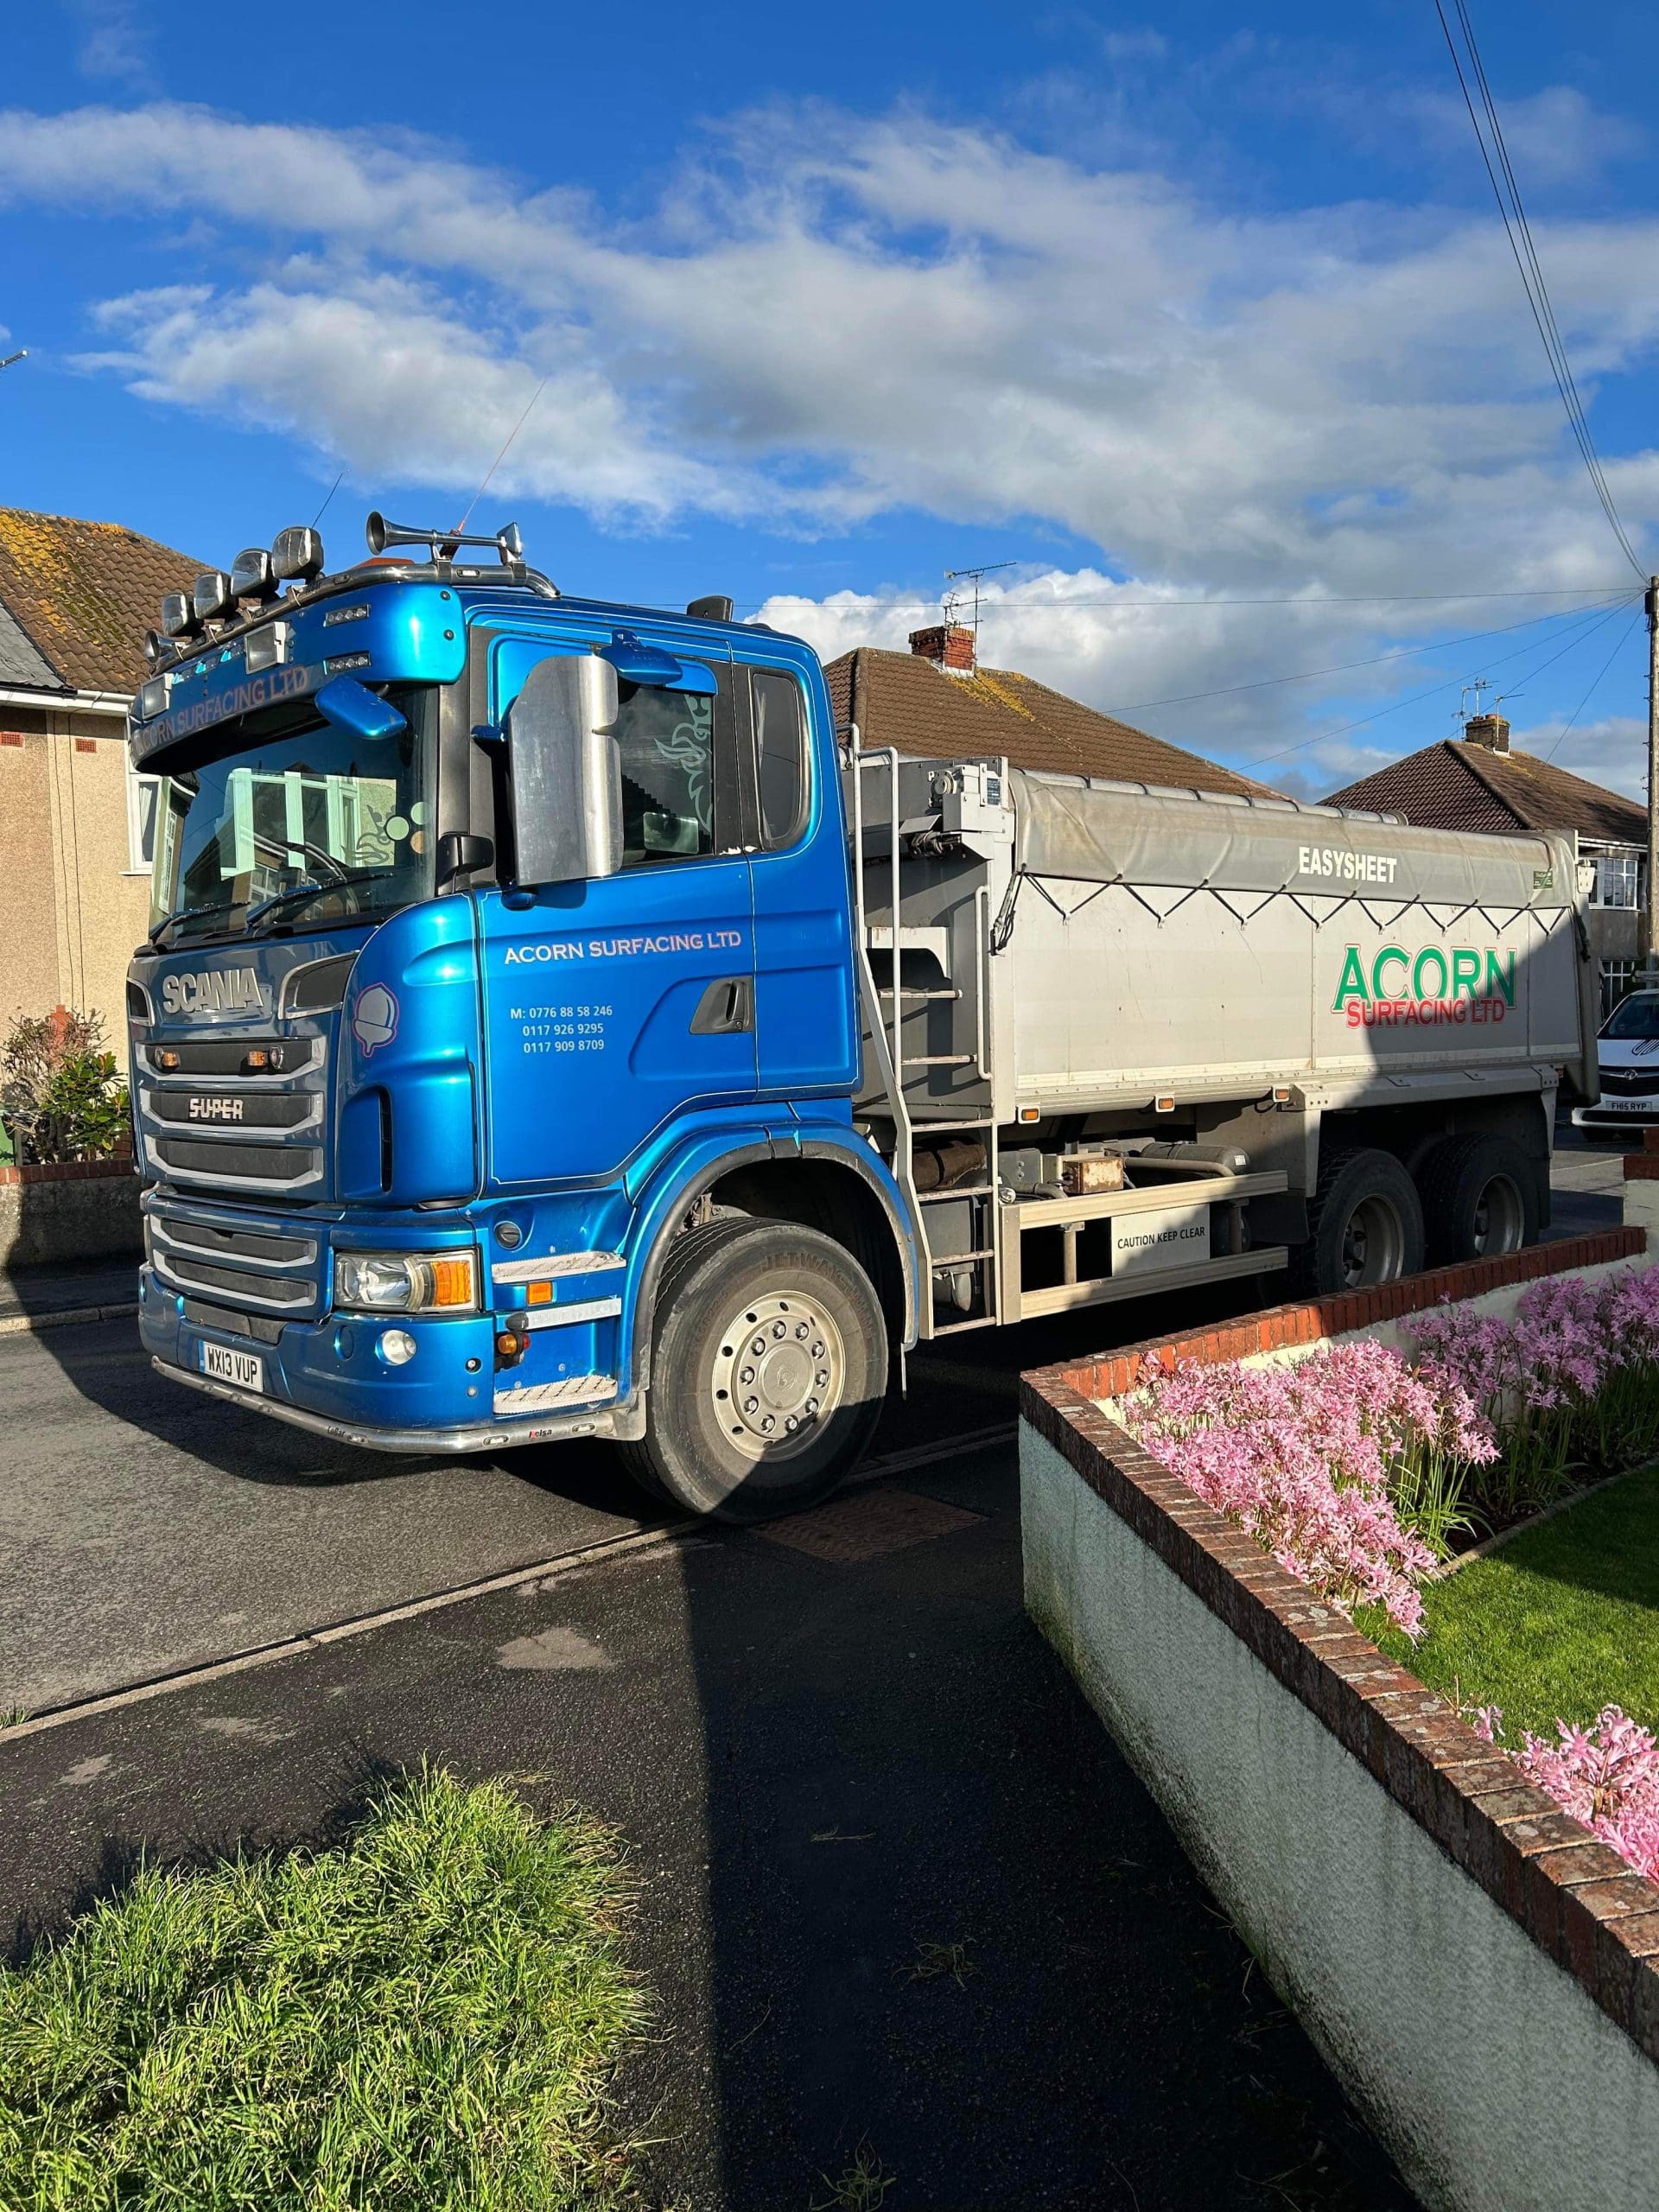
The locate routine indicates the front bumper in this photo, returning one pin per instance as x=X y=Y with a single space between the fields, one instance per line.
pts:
x=1614 y=1114
x=326 y=1375
x=493 y=1436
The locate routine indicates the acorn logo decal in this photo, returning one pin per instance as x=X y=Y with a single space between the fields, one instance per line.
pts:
x=374 y=1017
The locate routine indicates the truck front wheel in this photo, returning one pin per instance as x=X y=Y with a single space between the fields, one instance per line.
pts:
x=768 y=1371
x=1365 y=1224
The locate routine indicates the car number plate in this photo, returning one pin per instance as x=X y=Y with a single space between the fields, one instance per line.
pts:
x=1630 y=1105
x=246 y=1369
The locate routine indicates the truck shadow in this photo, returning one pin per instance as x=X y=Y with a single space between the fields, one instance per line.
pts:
x=950 y=1941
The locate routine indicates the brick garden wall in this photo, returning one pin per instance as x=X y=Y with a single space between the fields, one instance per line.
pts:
x=1479 y=1970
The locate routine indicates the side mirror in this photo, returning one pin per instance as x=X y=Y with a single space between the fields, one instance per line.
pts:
x=566 y=768
x=351 y=706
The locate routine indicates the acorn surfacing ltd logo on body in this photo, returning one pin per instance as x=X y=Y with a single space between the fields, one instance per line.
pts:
x=1432 y=986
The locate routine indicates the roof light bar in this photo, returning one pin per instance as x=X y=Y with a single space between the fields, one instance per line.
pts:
x=179 y=615
x=251 y=575
x=211 y=595
x=297 y=554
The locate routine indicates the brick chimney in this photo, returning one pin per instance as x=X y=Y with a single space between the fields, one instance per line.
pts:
x=1490 y=730
x=948 y=645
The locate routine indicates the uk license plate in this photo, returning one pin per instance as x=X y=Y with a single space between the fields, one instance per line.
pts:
x=225 y=1364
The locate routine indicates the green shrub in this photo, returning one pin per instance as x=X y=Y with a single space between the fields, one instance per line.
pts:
x=59 y=1090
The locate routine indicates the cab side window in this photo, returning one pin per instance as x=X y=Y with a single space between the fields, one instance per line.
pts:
x=667 y=741
x=777 y=721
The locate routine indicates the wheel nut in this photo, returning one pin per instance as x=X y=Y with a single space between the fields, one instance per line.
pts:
x=769 y=1424
x=811 y=1405
x=791 y=1424
x=758 y=1346
x=822 y=1378
x=817 y=1348
x=747 y=1376
x=751 y=1405
x=779 y=1331
x=802 y=1331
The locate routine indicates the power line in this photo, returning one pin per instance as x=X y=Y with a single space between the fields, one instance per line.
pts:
x=1518 y=230
x=1617 y=643
x=1413 y=698
x=1003 y=606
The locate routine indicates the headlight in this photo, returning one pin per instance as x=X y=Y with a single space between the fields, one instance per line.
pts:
x=406 y=1282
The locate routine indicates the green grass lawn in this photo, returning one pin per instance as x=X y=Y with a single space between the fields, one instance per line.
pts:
x=427 y=2015
x=1560 y=1621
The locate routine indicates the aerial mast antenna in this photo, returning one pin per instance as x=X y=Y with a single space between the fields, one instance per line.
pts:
x=953 y=599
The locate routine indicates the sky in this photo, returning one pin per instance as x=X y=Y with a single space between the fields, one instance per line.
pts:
x=1196 y=326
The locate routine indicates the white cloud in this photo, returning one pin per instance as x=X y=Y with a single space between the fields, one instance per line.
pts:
x=818 y=326
x=114 y=39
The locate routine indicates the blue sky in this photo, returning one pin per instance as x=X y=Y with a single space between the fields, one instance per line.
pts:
x=1182 y=314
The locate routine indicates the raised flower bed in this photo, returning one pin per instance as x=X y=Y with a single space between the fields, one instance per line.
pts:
x=1481 y=1970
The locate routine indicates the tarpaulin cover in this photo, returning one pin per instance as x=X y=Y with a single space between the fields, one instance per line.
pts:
x=1099 y=834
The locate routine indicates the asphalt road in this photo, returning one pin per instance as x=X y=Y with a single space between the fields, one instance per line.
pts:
x=146 y=1529
x=829 y=1746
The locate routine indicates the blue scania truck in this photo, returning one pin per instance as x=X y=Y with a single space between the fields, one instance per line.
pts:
x=553 y=1023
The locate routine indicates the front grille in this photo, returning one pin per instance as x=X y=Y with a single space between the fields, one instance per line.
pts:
x=1630 y=1083
x=235 y=1109
x=272 y=1167
x=225 y=1056
x=215 y=1121
x=271 y=1290
x=263 y=1272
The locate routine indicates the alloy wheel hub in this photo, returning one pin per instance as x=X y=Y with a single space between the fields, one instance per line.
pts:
x=779 y=1371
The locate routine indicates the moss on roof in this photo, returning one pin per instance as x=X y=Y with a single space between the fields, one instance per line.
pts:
x=85 y=593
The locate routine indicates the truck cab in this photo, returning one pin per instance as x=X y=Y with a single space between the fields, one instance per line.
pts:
x=498 y=1022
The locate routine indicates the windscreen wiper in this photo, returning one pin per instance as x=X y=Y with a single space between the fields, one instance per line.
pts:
x=188 y=914
x=297 y=893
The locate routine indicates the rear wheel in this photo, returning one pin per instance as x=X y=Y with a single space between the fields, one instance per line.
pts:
x=1480 y=1198
x=1365 y=1224
x=768 y=1371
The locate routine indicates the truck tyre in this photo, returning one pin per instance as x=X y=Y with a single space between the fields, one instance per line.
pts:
x=1365 y=1224
x=768 y=1369
x=1480 y=1197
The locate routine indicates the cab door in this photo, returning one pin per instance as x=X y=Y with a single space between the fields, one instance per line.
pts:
x=611 y=1006
x=806 y=1011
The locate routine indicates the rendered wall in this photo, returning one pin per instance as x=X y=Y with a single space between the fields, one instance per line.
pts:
x=70 y=909
x=1494 y=2079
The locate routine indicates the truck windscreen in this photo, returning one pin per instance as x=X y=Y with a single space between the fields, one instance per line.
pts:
x=299 y=824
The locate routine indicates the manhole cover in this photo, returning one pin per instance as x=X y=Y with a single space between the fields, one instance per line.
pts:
x=864 y=1528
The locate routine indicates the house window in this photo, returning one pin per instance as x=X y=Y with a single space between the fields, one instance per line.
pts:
x=142 y=794
x=1618 y=978
x=1618 y=880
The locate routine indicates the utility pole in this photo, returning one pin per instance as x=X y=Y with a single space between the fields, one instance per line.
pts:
x=1652 y=926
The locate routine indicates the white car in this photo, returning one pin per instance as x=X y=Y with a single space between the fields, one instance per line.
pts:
x=1628 y=1049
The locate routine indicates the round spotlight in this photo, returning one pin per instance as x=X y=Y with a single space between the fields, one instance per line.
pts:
x=211 y=594
x=296 y=554
x=179 y=615
x=251 y=574
x=397 y=1347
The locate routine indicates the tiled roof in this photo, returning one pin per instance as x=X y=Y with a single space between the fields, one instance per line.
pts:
x=904 y=701
x=83 y=593
x=21 y=666
x=1457 y=786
